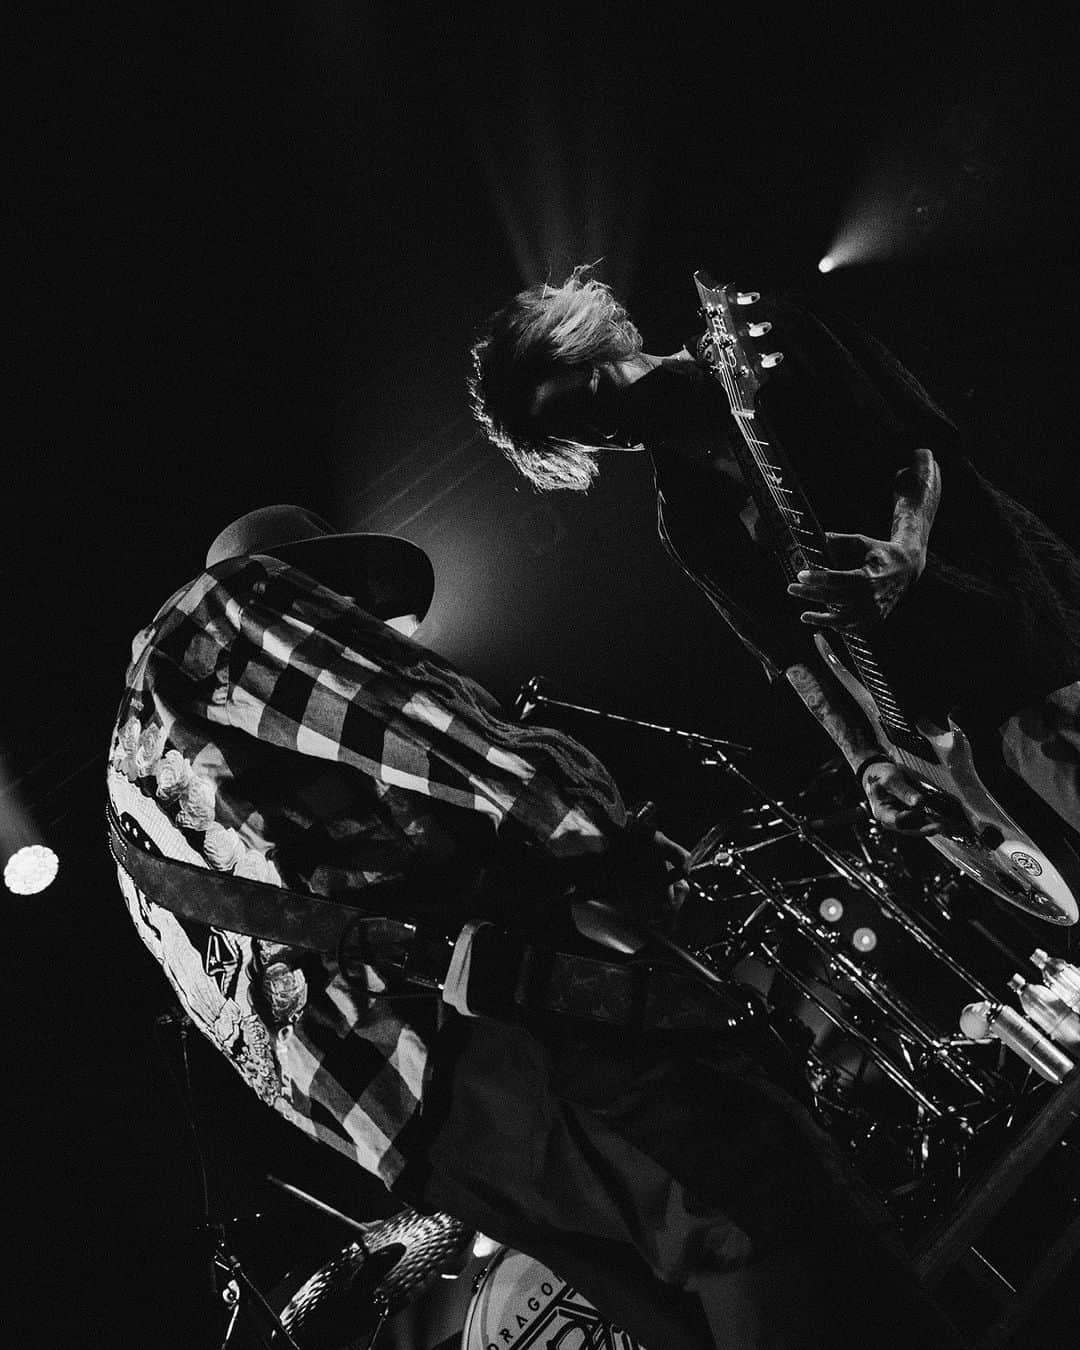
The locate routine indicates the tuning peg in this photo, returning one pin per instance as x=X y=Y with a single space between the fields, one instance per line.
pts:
x=759 y=329
x=772 y=359
x=747 y=297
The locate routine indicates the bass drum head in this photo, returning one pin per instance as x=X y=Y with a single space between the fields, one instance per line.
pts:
x=518 y=1303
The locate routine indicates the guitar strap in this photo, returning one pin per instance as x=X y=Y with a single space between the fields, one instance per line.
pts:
x=506 y=976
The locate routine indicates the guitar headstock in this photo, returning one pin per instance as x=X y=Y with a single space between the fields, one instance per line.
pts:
x=731 y=330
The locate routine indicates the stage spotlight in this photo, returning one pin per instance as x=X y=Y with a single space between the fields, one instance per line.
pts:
x=831 y=909
x=30 y=869
x=864 y=939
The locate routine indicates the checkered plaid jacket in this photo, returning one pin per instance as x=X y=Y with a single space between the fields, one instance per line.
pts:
x=272 y=729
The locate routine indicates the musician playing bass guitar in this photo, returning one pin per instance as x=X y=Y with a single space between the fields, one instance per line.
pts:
x=972 y=602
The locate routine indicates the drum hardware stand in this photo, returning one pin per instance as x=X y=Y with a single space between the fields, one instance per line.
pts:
x=893 y=1072
x=713 y=753
x=856 y=874
x=379 y=1301
x=712 y=750
x=712 y=854
x=933 y=1123
x=869 y=985
x=237 y=1286
x=231 y=1283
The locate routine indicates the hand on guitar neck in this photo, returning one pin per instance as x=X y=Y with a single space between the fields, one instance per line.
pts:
x=871 y=578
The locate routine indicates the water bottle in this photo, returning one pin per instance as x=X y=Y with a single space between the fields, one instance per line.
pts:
x=1059 y=977
x=1019 y=1035
x=1047 y=1011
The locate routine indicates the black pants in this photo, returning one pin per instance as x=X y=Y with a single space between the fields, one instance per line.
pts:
x=690 y=1198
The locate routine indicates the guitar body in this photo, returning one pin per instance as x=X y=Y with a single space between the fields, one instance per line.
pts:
x=981 y=838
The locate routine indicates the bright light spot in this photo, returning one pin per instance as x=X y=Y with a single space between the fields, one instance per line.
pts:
x=975 y=1022
x=884 y=218
x=864 y=939
x=31 y=869
x=483 y=1246
x=404 y=623
x=831 y=909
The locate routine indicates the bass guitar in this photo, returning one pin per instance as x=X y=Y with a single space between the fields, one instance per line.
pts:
x=978 y=835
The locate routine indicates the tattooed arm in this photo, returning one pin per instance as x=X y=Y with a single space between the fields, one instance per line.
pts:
x=880 y=571
x=917 y=495
x=894 y=799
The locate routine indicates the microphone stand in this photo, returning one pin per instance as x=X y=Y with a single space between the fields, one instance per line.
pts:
x=531 y=696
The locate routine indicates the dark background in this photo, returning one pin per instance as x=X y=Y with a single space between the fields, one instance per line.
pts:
x=250 y=245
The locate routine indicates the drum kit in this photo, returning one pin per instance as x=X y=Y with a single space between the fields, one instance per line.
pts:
x=504 y=1298
x=866 y=949
x=864 y=952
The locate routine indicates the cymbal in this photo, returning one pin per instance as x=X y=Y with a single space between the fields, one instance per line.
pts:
x=366 y=1281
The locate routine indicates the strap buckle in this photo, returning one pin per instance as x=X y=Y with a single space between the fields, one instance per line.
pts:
x=401 y=952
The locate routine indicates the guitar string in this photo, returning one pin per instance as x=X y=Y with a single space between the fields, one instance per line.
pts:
x=929 y=769
x=771 y=475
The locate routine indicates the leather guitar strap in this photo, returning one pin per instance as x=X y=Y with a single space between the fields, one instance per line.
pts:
x=508 y=977
x=222 y=900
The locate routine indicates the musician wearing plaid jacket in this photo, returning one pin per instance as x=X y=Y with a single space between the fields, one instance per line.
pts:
x=277 y=726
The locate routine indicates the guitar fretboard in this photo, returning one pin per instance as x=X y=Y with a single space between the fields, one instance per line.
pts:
x=796 y=535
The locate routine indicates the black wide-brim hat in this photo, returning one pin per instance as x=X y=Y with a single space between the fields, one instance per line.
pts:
x=385 y=575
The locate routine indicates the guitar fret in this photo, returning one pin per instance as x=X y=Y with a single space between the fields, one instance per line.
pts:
x=781 y=500
x=882 y=695
x=907 y=738
x=898 y=720
x=881 y=686
x=872 y=676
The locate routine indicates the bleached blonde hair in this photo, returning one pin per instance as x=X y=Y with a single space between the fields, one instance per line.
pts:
x=540 y=332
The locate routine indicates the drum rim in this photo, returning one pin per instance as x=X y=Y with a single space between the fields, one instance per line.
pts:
x=498 y=1257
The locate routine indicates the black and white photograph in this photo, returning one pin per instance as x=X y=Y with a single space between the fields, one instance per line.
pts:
x=540 y=757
